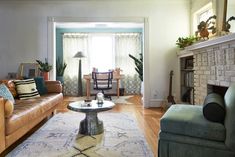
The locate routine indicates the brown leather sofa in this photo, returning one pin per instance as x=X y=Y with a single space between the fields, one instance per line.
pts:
x=27 y=114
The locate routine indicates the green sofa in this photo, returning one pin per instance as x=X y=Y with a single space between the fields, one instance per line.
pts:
x=184 y=132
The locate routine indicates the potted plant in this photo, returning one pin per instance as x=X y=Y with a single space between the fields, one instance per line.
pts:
x=182 y=42
x=203 y=28
x=44 y=67
x=227 y=25
x=139 y=68
x=60 y=68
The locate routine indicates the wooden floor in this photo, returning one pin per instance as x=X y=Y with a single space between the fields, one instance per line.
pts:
x=148 y=118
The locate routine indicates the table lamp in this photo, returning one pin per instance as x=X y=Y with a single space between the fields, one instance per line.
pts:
x=79 y=55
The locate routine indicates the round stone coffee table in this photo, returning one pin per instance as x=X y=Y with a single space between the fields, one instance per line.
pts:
x=91 y=125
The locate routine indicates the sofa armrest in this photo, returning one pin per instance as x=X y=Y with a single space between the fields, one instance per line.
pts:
x=2 y=125
x=53 y=86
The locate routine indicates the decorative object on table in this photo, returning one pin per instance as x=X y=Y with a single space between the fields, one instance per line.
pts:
x=44 y=67
x=170 y=97
x=100 y=98
x=79 y=55
x=183 y=42
x=28 y=70
x=60 y=68
x=203 y=28
x=227 y=25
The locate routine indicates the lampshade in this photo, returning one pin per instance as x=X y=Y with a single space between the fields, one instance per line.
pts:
x=79 y=54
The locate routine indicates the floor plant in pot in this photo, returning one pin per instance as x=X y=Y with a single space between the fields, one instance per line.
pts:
x=45 y=68
x=60 y=68
x=139 y=68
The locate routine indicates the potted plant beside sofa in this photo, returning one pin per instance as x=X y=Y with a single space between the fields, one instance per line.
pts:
x=60 y=68
x=45 y=68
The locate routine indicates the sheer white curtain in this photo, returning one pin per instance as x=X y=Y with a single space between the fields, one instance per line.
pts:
x=72 y=43
x=125 y=44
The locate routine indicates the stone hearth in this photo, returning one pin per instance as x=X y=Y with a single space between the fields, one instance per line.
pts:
x=214 y=64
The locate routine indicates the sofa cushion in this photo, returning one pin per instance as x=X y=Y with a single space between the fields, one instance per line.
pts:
x=26 y=89
x=188 y=120
x=5 y=93
x=213 y=108
x=30 y=109
x=40 y=84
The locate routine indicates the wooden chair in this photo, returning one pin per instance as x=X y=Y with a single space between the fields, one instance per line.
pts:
x=102 y=81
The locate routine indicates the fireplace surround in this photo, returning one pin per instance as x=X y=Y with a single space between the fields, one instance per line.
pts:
x=214 y=65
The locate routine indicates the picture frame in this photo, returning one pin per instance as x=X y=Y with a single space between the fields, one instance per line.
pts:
x=29 y=70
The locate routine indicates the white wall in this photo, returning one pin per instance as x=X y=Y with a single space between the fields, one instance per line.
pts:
x=23 y=32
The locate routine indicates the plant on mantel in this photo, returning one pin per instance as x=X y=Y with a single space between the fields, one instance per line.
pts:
x=204 y=26
x=44 y=67
x=227 y=24
x=183 y=42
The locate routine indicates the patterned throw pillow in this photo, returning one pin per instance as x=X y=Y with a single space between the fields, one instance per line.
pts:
x=26 y=89
x=5 y=93
x=11 y=86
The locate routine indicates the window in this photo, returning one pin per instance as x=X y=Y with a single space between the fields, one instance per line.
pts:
x=205 y=15
x=102 y=52
x=202 y=15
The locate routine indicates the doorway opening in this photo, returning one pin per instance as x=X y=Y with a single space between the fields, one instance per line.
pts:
x=99 y=29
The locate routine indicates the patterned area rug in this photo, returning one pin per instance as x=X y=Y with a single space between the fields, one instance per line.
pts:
x=121 y=99
x=59 y=138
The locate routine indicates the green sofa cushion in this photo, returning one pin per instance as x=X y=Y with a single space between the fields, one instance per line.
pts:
x=188 y=120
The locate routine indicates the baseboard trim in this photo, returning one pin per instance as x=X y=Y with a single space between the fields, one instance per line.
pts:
x=156 y=102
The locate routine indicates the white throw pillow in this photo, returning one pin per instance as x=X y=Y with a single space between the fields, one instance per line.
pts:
x=26 y=89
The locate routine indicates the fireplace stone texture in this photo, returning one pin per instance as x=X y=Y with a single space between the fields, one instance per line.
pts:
x=214 y=65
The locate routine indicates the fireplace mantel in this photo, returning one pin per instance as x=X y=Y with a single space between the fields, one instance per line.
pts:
x=211 y=42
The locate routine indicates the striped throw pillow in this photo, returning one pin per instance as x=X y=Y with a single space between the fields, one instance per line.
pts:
x=26 y=89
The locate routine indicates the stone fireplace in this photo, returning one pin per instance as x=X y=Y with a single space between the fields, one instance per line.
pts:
x=214 y=65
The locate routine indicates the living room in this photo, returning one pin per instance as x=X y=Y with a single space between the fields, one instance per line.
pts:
x=28 y=33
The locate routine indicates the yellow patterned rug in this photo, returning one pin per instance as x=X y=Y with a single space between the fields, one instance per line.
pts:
x=59 y=138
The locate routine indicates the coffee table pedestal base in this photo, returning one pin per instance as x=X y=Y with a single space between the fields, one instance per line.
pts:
x=91 y=125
